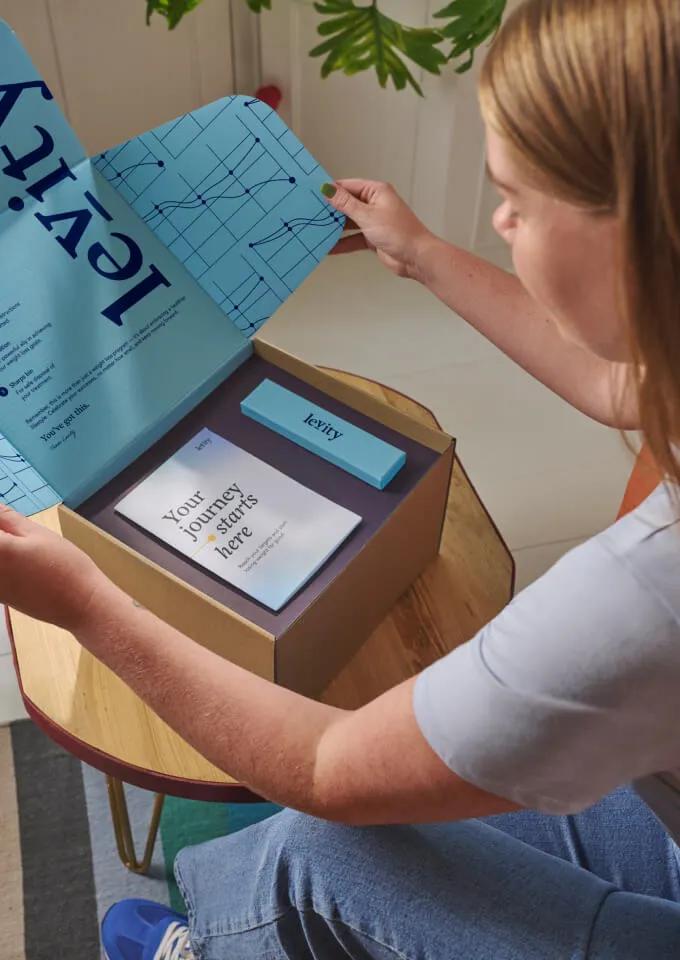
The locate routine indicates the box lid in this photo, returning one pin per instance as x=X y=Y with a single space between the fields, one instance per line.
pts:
x=132 y=282
x=235 y=196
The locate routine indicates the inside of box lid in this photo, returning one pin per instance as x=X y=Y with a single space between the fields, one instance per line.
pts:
x=235 y=196
x=221 y=413
x=118 y=272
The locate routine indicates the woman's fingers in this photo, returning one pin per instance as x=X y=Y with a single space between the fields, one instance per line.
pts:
x=348 y=244
x=345 y=202
x=361 y=189
x=13 y=522
x=350 y=224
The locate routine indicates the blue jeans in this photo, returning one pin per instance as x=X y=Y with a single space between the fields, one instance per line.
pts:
x=603 y=885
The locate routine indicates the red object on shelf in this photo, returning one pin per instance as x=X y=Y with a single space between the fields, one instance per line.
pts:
x=270 y=95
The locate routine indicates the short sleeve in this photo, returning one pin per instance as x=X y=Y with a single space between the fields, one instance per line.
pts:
x=571 y=691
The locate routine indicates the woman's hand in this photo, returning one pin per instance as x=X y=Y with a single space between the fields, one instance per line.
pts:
x=387 y=224
x=43 y=575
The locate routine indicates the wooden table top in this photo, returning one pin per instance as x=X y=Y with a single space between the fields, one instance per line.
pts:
x=93 y=714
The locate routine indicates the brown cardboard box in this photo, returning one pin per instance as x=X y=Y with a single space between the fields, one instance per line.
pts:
x=308 y=641
x=260 y=242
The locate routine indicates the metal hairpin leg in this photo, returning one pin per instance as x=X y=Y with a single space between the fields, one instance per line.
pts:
x=121 y=827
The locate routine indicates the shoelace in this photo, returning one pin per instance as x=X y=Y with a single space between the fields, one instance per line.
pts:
x=175 y=944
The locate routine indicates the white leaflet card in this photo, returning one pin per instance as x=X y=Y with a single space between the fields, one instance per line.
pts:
x=240 y=518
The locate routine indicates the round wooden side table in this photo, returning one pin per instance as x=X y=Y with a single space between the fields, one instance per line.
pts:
x=90 y=712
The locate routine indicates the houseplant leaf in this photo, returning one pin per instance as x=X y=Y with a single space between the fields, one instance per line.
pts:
x=172 y=10
x=471 y=22
x=361 y=37
x=357 y=38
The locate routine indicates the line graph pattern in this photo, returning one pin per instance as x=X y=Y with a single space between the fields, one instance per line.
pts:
x=235 y=196
x=21 y=486
x=132 y=168
x=251 y=297
x=300 y=156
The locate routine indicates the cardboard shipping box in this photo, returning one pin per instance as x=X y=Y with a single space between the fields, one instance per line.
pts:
x=134 y=287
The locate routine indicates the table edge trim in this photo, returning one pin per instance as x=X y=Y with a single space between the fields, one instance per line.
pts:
x=156 y=782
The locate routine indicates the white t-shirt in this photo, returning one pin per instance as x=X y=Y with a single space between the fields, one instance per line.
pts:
x=574 y=689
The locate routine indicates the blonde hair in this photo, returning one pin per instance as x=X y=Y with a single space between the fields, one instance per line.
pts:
x=587 y=95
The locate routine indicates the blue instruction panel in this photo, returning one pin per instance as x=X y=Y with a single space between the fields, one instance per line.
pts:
x=236 y=197
x=132 y=282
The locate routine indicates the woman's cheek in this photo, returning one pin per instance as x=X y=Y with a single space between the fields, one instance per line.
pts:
x=540 y=270
x=526 y=264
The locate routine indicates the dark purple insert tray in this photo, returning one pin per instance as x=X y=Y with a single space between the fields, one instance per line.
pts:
x=221 y=413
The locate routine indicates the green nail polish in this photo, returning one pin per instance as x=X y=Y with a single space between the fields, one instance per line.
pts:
x=329 y=190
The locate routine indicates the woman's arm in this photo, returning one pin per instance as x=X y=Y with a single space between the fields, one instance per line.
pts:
x=496 y=304
x=367 y=766
x=491 y=300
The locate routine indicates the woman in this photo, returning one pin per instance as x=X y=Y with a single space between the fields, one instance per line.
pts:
x=566 y=696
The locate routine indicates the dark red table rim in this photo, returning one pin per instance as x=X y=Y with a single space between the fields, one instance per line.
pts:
x=162 y=782
x=128 y=772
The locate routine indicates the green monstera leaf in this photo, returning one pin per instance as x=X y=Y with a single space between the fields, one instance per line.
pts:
x=172 y=10
x=470 y=23
x=358 y=36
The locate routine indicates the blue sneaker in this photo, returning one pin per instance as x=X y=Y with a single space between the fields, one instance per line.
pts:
x=143 y=930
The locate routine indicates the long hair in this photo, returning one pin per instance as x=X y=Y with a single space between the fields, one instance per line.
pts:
x=587 y=95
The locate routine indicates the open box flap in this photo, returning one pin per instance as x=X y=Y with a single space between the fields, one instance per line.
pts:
x=21 y=485
x=47 y=129
x=236 y=197
x=106 y=337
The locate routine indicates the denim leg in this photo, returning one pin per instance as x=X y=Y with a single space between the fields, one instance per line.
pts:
x=297 y=887
x=618 y=839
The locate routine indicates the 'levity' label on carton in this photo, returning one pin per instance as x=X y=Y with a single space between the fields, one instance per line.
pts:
x=336 y=440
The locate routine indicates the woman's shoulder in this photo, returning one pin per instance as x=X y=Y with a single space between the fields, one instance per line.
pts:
x=621 y=583
x=647 y=543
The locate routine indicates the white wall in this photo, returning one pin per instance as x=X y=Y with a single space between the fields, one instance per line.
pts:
x=114 y=76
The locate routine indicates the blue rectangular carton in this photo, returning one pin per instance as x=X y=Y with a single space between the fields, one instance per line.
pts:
x=337 y=440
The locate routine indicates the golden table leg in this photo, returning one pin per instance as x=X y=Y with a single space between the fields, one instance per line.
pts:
x=121 y=827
